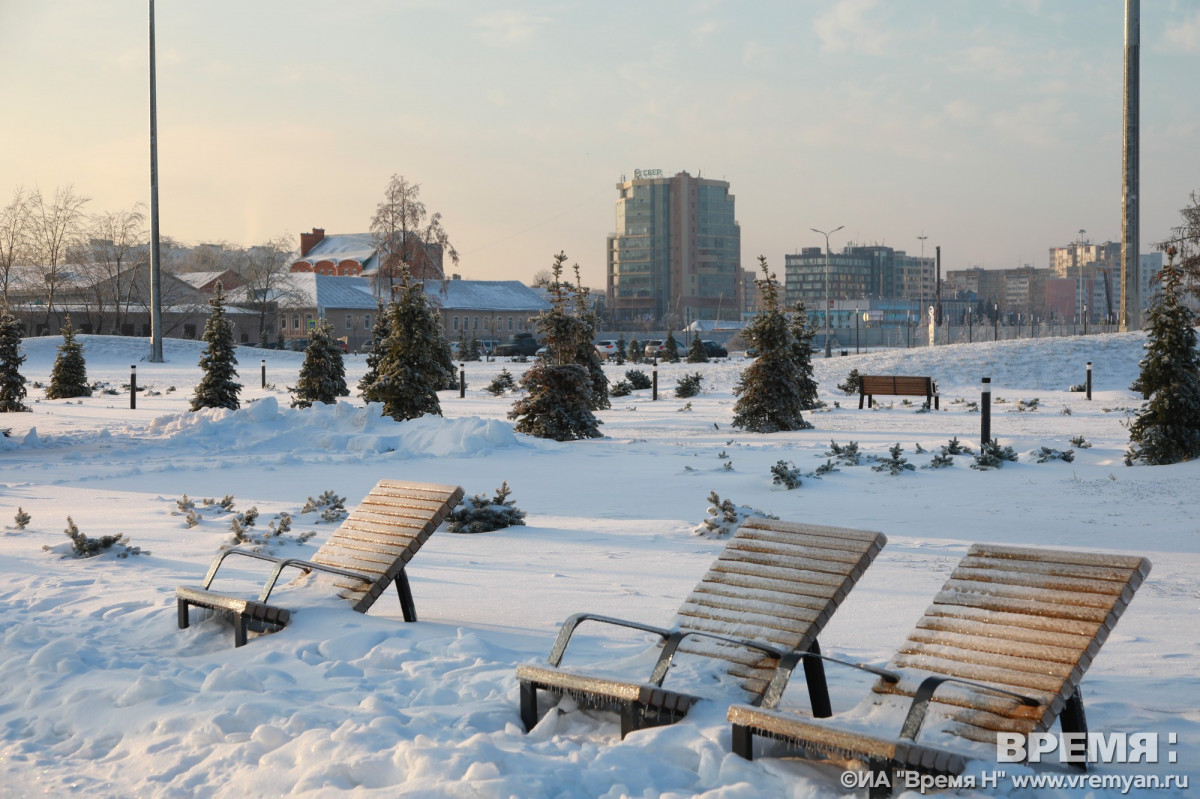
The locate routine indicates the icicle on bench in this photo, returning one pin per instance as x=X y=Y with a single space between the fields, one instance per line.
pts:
x=897 y=386
x=772 y=590
x=365 y=555
x=1003 y=648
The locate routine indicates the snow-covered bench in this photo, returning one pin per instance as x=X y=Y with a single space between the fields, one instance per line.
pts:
x=1003 y=648
x=869 y=386
x=771 y=591
x=364 y=556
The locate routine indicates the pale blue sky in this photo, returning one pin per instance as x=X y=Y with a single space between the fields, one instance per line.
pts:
x=992 y=126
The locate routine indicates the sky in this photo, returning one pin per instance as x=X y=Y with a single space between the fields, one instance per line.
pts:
x=992 y=127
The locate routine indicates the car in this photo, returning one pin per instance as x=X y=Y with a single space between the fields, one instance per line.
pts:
x=487 y=346
x=522 y=344
x=655 y=349
x=714 y=350
x=607 y=348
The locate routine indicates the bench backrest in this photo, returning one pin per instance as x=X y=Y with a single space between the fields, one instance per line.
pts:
x=898 y=385
x=383 y=533
x=777 y=582
x=1026 y=620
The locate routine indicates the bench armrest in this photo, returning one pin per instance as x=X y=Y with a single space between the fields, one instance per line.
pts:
x=568 y=629
x=924 y=694
x=220 y=559
x=306 y=567
x=676 y=638
x=787 y=665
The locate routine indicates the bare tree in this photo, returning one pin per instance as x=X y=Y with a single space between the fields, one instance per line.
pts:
x=407 y=236
x=14 y=232
x=56 y=230
x=266 y=270
x=115 y=254
x=1186 y=238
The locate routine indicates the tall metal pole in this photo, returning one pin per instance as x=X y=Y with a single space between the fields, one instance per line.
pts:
x=156 y=345
x=1131 y=305
x=921 y=303
x=828 y=349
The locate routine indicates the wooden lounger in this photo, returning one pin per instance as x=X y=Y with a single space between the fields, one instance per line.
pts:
x=366 y=554
x=1003 y=648
x=771 y=591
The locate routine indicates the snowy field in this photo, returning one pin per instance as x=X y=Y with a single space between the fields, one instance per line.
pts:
x=102 y=696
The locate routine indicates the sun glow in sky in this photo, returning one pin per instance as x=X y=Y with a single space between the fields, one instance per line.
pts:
x=992 y=126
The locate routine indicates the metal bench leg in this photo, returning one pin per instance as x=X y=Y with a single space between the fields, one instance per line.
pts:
x=182 y=609
x=881 y=779
x=239 y=630
x=630 y=719
x=1073 y=719
x=528 y=705
x=818 y=688
x=743 y=741
x=406 y=598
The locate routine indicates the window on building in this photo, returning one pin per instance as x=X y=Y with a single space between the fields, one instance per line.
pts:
x=366 y=321
x=296 y=322
x=475 y=323
x=349 y=322
x=454 y=321
x=308 y=322
x=510 y=324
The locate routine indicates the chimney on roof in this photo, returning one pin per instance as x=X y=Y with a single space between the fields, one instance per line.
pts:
x=310 y=240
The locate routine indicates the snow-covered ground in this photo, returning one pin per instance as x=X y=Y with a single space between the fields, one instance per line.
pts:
x=101 y=695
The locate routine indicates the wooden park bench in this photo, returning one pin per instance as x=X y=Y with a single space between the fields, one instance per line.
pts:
x=1003 y=648
x=869 y=386
x=771 y=591
x=364 y=556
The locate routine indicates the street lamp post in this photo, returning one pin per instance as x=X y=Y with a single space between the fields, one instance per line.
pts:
x=828 y=350
x=922 y=238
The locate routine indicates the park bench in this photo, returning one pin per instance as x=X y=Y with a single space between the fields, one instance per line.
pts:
x=870 y=386
x=1003 y=648
x=772 y=590
x=364 y=556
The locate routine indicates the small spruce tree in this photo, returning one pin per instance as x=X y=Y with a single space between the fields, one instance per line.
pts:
x=1167 y=427
x=411 y=370
x=559 y=402
x=68 y=378
x=802 y=336
x=670 y=348
x=585 y=353
x=696 y=353
x=635 y=351
x=621 y=348
x=12 y=382
x=217 y=388
x=769 y=390
x=379 y=336
x=323 y=373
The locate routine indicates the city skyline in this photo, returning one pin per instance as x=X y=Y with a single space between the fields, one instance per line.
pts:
x=992 y=128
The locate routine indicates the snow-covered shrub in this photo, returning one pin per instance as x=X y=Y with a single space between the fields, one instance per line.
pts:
x=941 y=460
x=185 y=504
x=992 y=456
x=621 y=388
x=1028 y=405
x=479 y=514
x=331 y=506
x=954 y=447
x=825 y=468
x=852 y=384
x=637 y=378
x=501 y=383
x=22 y=519
x=226 y=504
x=847 y=455
x=895 y=464
x=1047 y=454
x=241 y=524
x=724 y=517
x=83 y=546
x=1081 y=442
x=785 y=473
x=688 y=385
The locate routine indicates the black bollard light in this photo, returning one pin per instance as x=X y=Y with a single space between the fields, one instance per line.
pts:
x=133 y=387
x=264 y=372
x=1088 y=382
x=462 y=380
x=985 y=411
x=654 y=382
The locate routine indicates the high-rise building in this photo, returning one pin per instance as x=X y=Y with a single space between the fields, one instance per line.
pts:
x=676 y=253
x=857 y=272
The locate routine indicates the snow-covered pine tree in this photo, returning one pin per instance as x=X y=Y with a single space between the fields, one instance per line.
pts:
x=68 y=378
x=323 y=373
x=670 y=348
x=621 y=349
x=12 y=383
x=443 y=354
x=635 y=351
x=696 y=353
x=558 y=401
x=769 y=389
x=217 y=388
x=468 y=346
x=802 y=336
x=411 y=370
x=585 y=353
x=1167 y=427
x=379 y=336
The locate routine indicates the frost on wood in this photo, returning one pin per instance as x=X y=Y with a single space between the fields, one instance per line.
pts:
x=724 y=517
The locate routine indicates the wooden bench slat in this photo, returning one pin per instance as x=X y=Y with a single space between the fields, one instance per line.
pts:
x=1051 y=601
